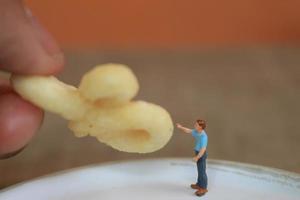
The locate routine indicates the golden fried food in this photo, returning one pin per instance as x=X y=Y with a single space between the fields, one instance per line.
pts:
x=101 y=107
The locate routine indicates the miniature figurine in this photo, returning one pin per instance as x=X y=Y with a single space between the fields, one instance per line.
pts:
x=200 y=151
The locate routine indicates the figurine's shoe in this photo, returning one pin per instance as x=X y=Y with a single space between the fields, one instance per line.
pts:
x=201 y=192
x=195 y=186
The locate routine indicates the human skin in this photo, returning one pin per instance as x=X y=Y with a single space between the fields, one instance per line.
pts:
x=25 y=48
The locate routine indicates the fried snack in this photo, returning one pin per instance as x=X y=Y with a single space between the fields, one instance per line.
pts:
x=101 y=107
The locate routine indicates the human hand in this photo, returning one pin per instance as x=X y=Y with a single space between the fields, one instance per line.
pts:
x=25 y=48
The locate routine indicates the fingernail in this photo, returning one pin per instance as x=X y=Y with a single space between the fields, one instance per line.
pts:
x=11 y=154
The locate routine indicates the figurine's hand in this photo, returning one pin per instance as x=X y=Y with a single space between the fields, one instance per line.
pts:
x=101 y=107
x=25 y=48
x=178 y=125
x=196 y=158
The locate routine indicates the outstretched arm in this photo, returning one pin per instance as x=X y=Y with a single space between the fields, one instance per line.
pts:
x=184 y=129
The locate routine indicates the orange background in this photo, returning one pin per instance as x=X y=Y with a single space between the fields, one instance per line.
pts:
x=169 y=23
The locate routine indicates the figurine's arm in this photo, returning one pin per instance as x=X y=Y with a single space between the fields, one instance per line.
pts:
x=201 y=152
x=184 y=129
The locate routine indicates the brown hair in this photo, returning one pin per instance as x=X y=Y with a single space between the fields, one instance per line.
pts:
x=201 y=123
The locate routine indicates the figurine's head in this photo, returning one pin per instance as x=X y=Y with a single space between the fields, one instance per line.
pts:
x=200 y=125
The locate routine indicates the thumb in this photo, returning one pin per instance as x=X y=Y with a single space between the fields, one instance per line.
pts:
x=25 y=46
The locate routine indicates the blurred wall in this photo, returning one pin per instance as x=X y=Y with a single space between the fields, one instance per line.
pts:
x=169 y=23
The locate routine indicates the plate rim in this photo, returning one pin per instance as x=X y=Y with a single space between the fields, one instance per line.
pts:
x=219 y=162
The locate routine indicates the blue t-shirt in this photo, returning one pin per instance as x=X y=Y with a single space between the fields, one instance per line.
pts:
x=200 y=139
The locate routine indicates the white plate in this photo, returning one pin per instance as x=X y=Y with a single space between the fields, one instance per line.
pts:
x=160 y=179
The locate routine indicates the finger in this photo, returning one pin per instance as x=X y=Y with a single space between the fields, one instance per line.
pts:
x=26 y=47
x=19 y=121
x=4 y=86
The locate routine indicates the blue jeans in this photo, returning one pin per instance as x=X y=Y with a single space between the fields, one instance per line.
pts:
x=201 y=166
